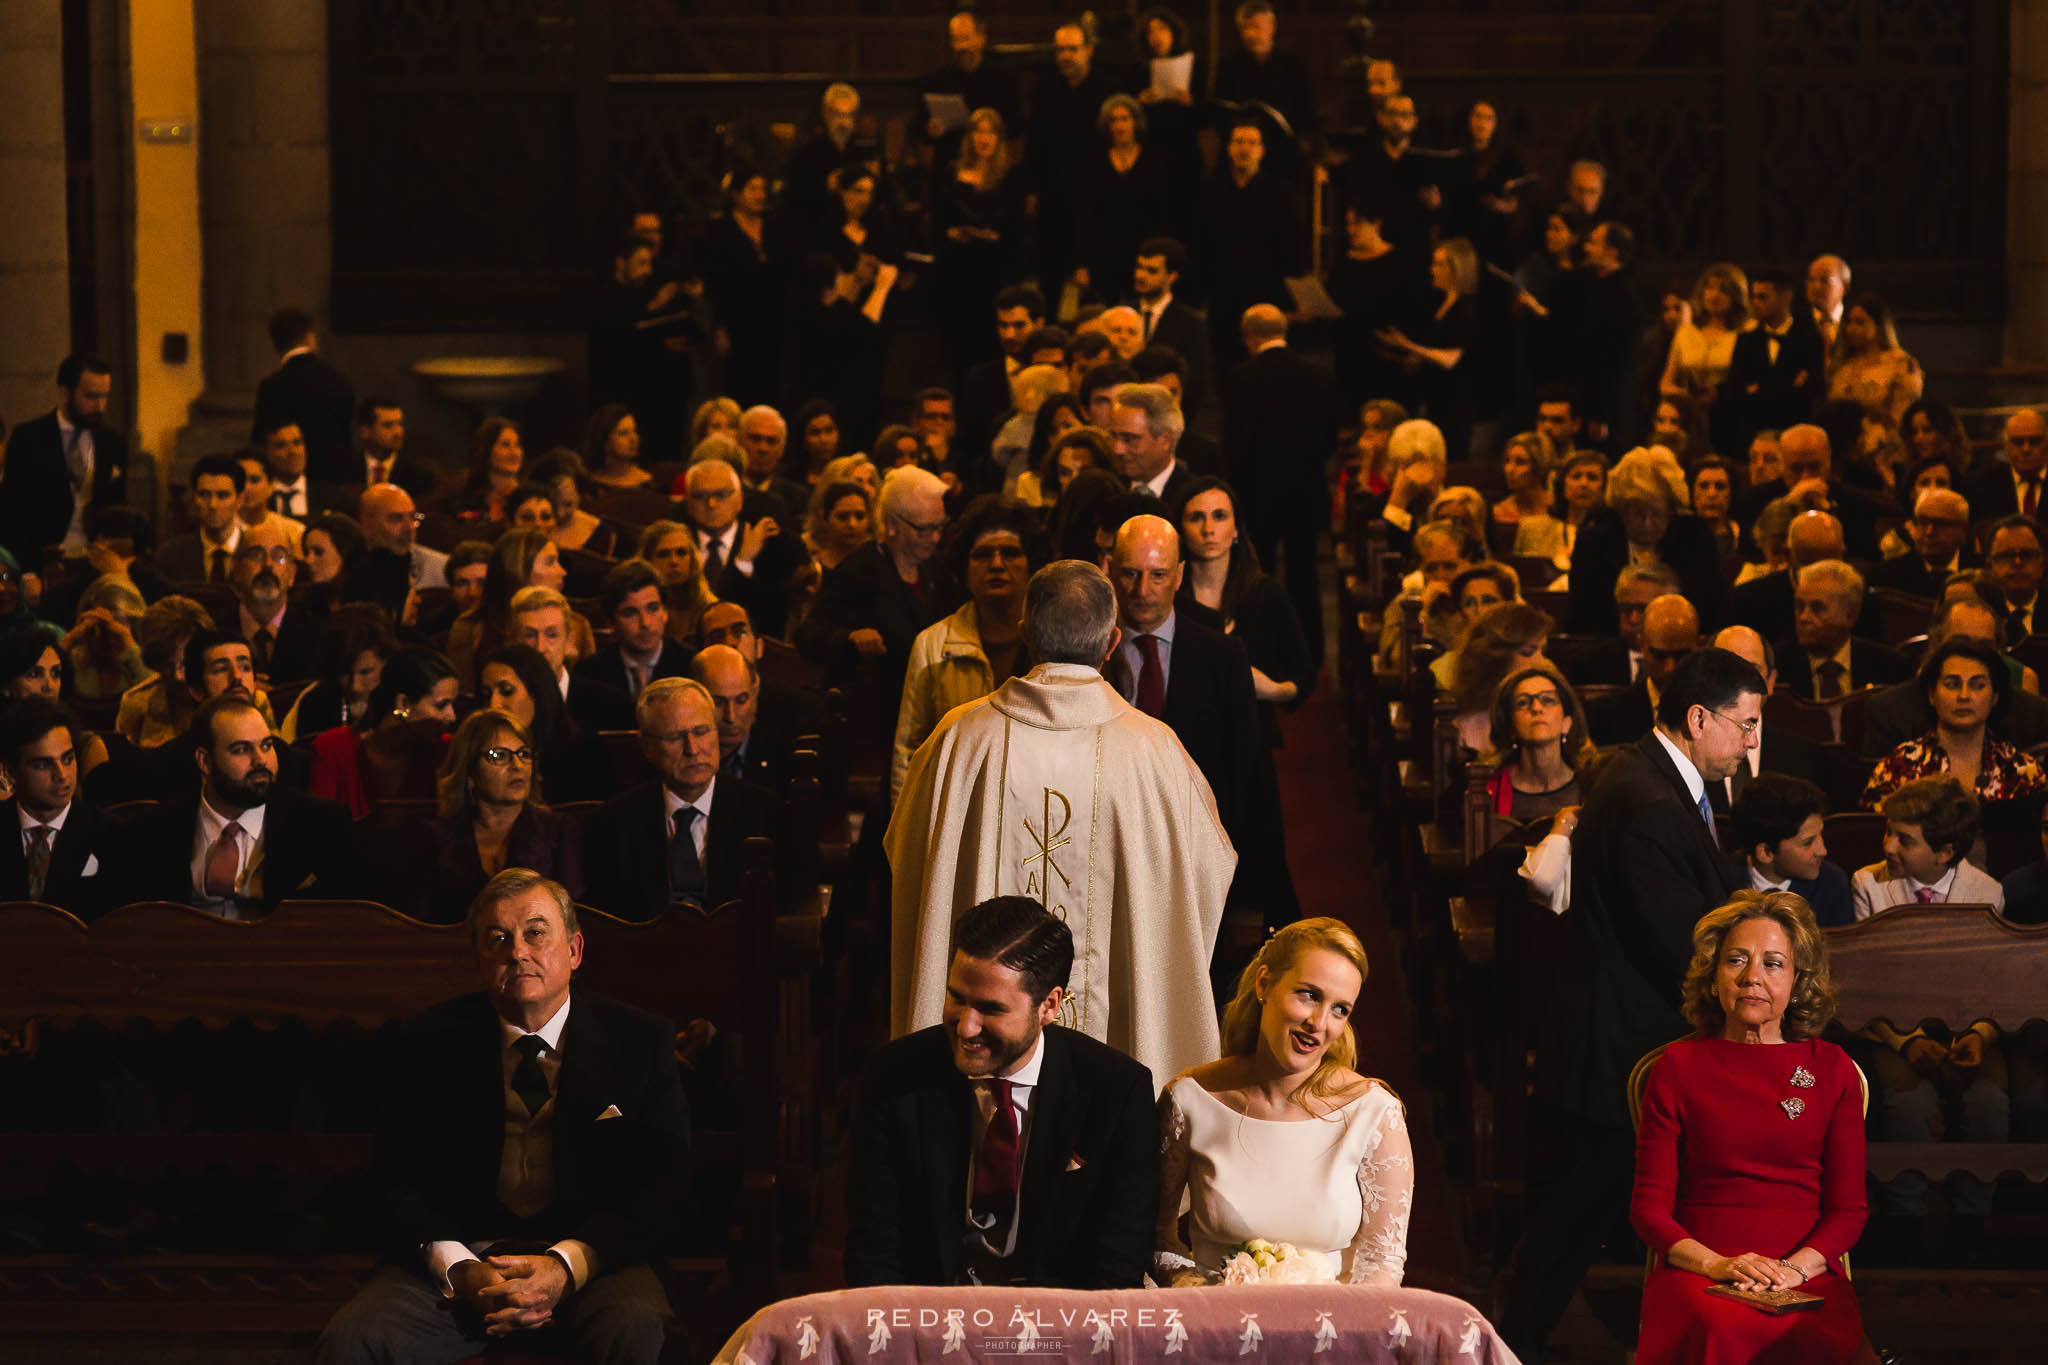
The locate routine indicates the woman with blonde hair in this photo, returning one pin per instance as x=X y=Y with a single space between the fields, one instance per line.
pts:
x=1749 y=1148
x=1702 y=347
x=1280 y=1138
x=1647 y=520
x=671 y=548
x=855 y=468
x=976 y=211
x=1525 y=468
x=713 y=417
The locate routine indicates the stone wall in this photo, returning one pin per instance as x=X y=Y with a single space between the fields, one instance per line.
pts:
x=2026 y=326
x=34 y=254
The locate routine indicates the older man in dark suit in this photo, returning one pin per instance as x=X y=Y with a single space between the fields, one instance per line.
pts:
x=1777 y=749
x=531 y=1142
x=748 y=556
x=308 y=393
x=62 y=464
x=1825 y=660
x=997 y=1147
x=680 y=838
x=65 y=851
x=1645 y=866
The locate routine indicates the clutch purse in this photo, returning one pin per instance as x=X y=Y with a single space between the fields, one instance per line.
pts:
x=1776 y=1302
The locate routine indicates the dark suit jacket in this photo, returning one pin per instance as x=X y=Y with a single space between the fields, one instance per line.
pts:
x=35 y=489
x=309 y=391
x=1187 y=332
x=1870 y=663
x=295 y=652
x=1602 y=551
x=1778 y=750
x=1909 y=574
x=863 y=591
x=1210 y=705
x=1768 y=606
x=1900 y=712
x=1090 y=1187
x=1828 y=893
x=784 y=715
x=596 y=707
x=1857 y=510
x=764 y=592
x=627 y=858
x=1279 y=427
x=607 y=667
x=1600 y=662
x=182 y=559
x=1772 y=397
x=1645 y=867
x=1622 y=717
x=307 y=850
x=88 y=833
x=1992 y=494
x=984 y=398
x=2026 y=894
x=444 y=1132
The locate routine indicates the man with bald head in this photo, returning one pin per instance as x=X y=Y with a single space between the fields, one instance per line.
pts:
x=1125 y=330
x=1825 y=660
x=1671 y=630
x=282 y=642
x=1940 y=531
x=735 y=687
x=389 y=521
x=1196 y=679
x=1766 y=602
x=2014 y=485
x=1279 y=414
x=1787 y=753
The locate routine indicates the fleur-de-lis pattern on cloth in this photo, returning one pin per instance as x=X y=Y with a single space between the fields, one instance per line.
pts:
x=1793 y=1107
x=1176 y=1335
x=1104 y=1339
x=1252 y=1337
x=1468 y=1341
x=1326 y=1332
x=1398 y=1331
x=956 y=1333
x=878 y=1334
x=806 y=1339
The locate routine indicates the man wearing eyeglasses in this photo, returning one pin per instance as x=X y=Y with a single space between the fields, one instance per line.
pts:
x=1646 y=864
x=747 y=559
x=2014 y=485
x=389 y=523
x=282 y=642
x=2015 y=561
x=1940 y=531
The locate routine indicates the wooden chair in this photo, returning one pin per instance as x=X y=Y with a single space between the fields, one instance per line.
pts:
x=1900 y=615
x=1790 y=713
x=1855 y=838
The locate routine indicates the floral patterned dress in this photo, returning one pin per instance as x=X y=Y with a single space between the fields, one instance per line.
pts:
x=1338 y=1187
x=2005 y=774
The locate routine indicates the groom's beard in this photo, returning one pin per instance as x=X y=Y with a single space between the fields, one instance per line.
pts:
x=1001 y=1054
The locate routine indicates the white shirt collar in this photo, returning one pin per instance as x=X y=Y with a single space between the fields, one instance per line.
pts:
x=55 y=822
x=1695 y=785
x=231 y=544
x=1026 y=1073
x=1759 y=882
x=1941 y=889
x=562 y=681
x=212 y=822
x=1158 y=482
x=671 y=803
x=549 y=1033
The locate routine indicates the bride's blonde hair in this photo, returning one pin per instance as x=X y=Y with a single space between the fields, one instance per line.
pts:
x=1282 y=951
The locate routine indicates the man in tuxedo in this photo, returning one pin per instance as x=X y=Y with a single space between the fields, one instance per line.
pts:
x=1940 y=531
x=207 y=554
x=745 y=559
x=66 y=850
x=1174 y=669
x=308 y=393
x=2011 y=487
x=763 y=437
x=1900 y=712
x=1765 y=602
x=283 y=640
x=784 y=712
x=1778 y=368
x=1145 y=425
x=630 y=598
x=293 y=492
x=62 y=464
x=540 y=618
x=998 y=1147
x=1671 y=630
x=2015 y=564
x=380 y=426
x=531 y=1138
x=1775 y=751
x=1827 y=285
x=1809 y=480
x=1779 y=846
x=1618 y=659
x=1826 y=661
x=1645 y=866
x=241 y=843
x=1279 y=427
x=1166 y=320
x=985 y=390
x=680 y=838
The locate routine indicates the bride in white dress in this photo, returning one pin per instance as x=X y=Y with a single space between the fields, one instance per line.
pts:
x=1280 y=1138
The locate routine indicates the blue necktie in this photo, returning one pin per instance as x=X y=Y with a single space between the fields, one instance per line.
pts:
x=1707 y=814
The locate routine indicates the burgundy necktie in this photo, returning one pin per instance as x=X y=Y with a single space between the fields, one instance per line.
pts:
x=1829 y=674
x=223 y=860
x=1151 y=677
x=1928 y=895
x=2032 y=507
x=714 y=559
x=995 y=1169
x=38 y=861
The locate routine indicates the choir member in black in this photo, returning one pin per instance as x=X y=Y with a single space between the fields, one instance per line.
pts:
x=976 y=212
x=970 y=77
x=746 y=276
x=1604 y=320
x=1371 y=283
x=1124 y=200
x=1258 y=72
x=843 y=331
x=1173 y=119
x=1483 y=194
x=1253 y=242
x=1065 y=104
x=1435 y=346
x=1389 y=172
x=639 y=344
x=1543 y=279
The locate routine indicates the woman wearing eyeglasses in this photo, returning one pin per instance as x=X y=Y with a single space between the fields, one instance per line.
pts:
x=492 y=817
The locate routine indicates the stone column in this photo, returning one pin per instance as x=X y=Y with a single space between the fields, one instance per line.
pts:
x=264 y=183
x=35 y=297
x=2026 y=325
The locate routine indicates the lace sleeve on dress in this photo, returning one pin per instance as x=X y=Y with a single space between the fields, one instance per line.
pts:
x=1386 y=1191
x=1170 y=1253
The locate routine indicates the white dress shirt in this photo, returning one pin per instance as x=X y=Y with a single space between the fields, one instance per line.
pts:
x=1023 y=1085
x=77 y=440
x=293 y=495
x=728 y=543
x=1695 y=785
x=535 y=1142
x=671 y=803
x=1759 y=882
x=248 y=853
x=1157 y=483
x=55 y=824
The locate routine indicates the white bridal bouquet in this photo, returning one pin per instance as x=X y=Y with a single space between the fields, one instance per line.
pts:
x=1259 y=1261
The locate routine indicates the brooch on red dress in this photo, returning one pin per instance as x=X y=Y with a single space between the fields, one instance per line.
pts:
x=1802 y=1078
x=1793 y=1107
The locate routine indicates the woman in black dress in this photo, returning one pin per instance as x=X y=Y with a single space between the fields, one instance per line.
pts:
x=974 y=219
x=1173 y=117
x=747 y=281
x=1486 y=179
x=1435 y=347
x=1124 y=200
x=1370 y=282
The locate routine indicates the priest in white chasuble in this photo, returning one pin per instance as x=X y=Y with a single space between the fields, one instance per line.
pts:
x=1055 y=787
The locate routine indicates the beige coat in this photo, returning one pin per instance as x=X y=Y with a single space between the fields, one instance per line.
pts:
x=1055 y=787
x=948 y=668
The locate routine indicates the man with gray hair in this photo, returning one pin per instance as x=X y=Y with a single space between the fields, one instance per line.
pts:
x=764 y=436
x=1765 y=602
x=1826 y=660
x=1056 y=788
x=807 y=184
x=747 y=554
x=1940 y=531
x=1145 y=424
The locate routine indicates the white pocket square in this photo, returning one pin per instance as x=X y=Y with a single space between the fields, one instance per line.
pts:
x=611 y=1111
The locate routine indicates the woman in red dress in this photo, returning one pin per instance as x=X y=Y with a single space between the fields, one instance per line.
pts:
x=1749 y=1150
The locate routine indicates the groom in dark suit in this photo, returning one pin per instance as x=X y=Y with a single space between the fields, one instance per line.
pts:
x=532 y=1138
x=1645 y=866
x=998 y=1147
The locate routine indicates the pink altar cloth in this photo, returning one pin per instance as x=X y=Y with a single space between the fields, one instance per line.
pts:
x=1271 y=1323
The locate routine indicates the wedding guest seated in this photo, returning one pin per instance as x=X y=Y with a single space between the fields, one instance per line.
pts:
x=611 y=448
x=31 y=665
x=1825 y=661
x=1475 y=591
x=1778 y=823
x=492 y=817
x=519 y=680
x=784 y=712
x=1766 y=601
x=2026 y=890
x=1647 y=518
x=119 y=543
x=354 y=643
x=68 y=848
x=1280 y=1138
x=992 y=551
x=1749 y=1148
x=334 y=551
x=242 y=841
x=745 y=748
x=202 y=555
x=255 y=510
x=1525 y=469
x=671 y=548
x=467 y=564
x=207 y=662
x=1444 y=549
x=838 y=523
x=1713 y=488
x=1538 y=740
x=679 y=838
x=1506 y=637
x=630 y=598
x=1415 y=454
x=999 y=1147
x=523 y=1208
x=283 y=640
x=543 y=618
x=1929 y=825
x=101 y=657
x=521 y=559
x=392 y=754
x=1671 y=630
x=561 y=472
x=1581 y=484
x=1940 y=532
x=530 y=507
x=1066 y=455
x=1900 y=712
x=1968 y=689
x=1619 y=659
x=497 y=458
